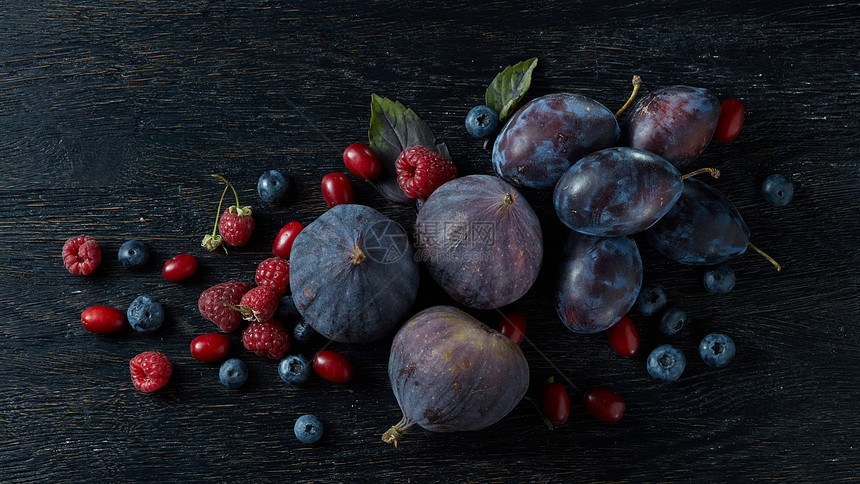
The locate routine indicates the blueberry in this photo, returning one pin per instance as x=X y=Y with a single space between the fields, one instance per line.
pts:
x=666 y=363
x=303 y=332
x=482 y=122
x=294 y=369
x=308 y=429
x=651 y=299
x=286 y=308
x=133 y=255
x=272 y=186
x=672 y=320
x=717 y=350
x=233 y=373
x=719 y=279
x=777 y=190
x=145 y=314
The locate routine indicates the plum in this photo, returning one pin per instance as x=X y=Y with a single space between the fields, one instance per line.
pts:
x=616 y=191
x=544 y=137
x=353 y=274
x=675 y=122
x=480 y=240
x=599 y=280
x=450 y=372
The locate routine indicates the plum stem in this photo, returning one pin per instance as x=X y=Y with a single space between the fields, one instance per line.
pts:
x=392 y=435
x=637 y=81
x=712 y=171
x=769 y=258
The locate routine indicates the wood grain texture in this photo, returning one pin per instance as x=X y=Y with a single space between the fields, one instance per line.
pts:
x=113 y=114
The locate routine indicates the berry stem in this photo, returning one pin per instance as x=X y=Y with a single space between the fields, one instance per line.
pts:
x=637 y=81
x=769 y=258
x=212 y=242
x=534 y=402
x=712 y=171
x=231 y=188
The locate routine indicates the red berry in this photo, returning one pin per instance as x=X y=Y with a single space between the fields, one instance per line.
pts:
x=209 y=347
x=333 y=366
x=274 y=273
x=603 y=404
x=513 y=325
x=179 y=267
x=267 y=338
x=554 y=402
x=217 y=304
x=623 y=337
x=421 y=171
x=258 y=304
x=102 y=319
x=236 y=225
x=731 y=120
x=284 y=240
x=336 y=189
x=362 y=161
x=150 y=371
x=81 y=255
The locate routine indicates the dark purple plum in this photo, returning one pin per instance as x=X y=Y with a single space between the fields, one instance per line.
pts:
x=353 y=274
x=544 y=137
x=703 y=228
x=450 y=372
x=480 y=240
x=675 y=122
x=616 y=191
x=598 y=282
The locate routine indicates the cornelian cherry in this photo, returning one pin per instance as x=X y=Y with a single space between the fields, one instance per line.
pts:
x=180 y=267
x=336 y=189
x=102 y=319
x=603 y=404
x=333 y=366
x=209 y=347
x=362 y=161
x=554 y=402
x=284 y=240
x=623 y=337
x=730 y=121
x=513 y=325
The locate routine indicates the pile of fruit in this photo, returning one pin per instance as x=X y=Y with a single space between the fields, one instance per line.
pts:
x=352 y=275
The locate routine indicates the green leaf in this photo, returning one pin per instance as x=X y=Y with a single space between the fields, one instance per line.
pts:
x=509 y=87
x=393 y=128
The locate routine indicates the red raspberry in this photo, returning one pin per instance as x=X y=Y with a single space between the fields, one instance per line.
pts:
x=421 y=171
x=274 y=273
x=215 y=304
x=81 y=255
x=150 y=371
x=258 y=304
x=269 y=339
x=236 y=225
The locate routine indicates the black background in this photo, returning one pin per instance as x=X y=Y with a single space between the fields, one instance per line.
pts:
x=113 y=115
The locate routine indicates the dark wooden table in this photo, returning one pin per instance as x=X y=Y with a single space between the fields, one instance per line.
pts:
x=113 y=115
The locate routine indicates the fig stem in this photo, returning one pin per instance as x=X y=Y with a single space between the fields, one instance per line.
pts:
x=509 y=199
x=712 y=171
x=637 y=81
x=357 y=256
x=392 y=435
x=769 y=258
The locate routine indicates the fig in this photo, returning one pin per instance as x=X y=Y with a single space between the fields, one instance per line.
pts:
x=353 y=274
x=450 y=372
x=480 y=240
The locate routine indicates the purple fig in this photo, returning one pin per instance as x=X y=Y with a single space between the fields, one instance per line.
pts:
x=450 y=372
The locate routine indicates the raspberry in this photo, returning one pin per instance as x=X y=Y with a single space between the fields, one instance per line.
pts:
x=214 y=304
x=81 y=255
x=236 y=225
x=421 y=171
x=269 y=338
x=274 y=273
x=258 y=304
x=150 y=371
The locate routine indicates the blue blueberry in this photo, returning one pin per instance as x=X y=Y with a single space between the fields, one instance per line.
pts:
x=233 y=373
x=272 y=186
x=145 y=314
x=666 y=363
x=286 y=308
x=672 y=320
x=651 y=299
x=482 y=122
x=717 y=350
x=719 y=279
x=308 y=429
x=294 y=369
x=133 y=255
x=303 y=332
x=777 y=190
